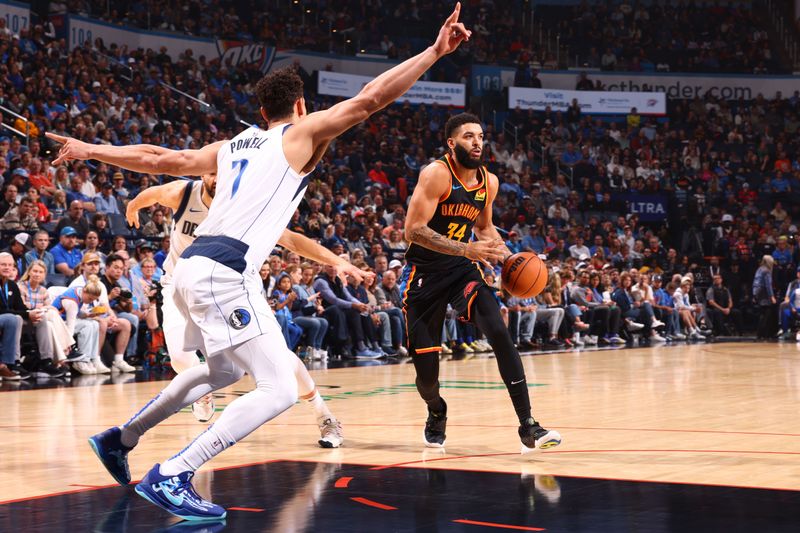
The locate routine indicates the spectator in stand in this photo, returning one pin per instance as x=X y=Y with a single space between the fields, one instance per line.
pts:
x=579 y=250
x=58 y=206
x=789 y=308
x=21 y=217
x=764 y=297
x=281 y=300
x=144 y=250
x=77 y=306
x=18 y=246
x=378 y=176
x=533 y=242
x=719 y=306
x=665 y=310
x=604 y=319
x=342 y=311
x=158 y=225
x=9 y=199
x=683 y=306
x=161 y=255
x=389 y=301
x=304 y=312
x=119 y=321
x=75 y=220
x=41 y=241
x=12 y=314
x=396 y=267
x=105 y=202
x=52 y=336
x=42 y=212
x=369 y=322
x=66 y=254
x=784 y=266
x=75 y=194
x=634 y=311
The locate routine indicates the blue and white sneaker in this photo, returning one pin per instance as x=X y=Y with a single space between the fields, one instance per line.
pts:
x=369 y=354
x=177 y=495
x=112 y=453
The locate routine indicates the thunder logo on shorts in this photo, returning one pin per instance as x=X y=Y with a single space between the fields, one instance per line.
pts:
x=239 y=318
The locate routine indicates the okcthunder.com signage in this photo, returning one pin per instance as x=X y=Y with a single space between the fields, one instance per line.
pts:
x=423 y=92
x=595 y=102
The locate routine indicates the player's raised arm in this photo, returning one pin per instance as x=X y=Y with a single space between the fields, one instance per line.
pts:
x=146 y=158
x=310 y=137
x=433 y=184
x=168 y=195
x=310 y=249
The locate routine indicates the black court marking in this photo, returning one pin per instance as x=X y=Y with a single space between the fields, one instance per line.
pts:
x=304 y=496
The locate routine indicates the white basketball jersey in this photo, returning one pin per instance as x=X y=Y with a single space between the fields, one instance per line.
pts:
x=257 y=192
x=190 y=214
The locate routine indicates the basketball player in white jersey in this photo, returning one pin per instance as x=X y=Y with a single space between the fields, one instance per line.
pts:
x=189 y=201
x=261 y=178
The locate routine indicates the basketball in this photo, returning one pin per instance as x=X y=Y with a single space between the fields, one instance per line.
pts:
x=524 y=275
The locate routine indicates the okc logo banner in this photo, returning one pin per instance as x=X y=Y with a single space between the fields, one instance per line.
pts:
x=242 y=53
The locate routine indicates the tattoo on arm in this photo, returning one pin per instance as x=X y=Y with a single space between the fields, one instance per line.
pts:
x=426 y=237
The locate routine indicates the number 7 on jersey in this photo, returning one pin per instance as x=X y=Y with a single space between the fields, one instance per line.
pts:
x=242 y=163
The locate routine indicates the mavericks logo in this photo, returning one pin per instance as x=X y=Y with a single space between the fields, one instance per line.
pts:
x=239 y=318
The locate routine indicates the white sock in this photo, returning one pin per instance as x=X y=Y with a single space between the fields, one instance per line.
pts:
x=118 y=357
x=186 y=388
x=240 y=418
x=208 y=444
x=319 y=406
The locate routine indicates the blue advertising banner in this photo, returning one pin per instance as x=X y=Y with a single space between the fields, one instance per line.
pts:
x=649 y=207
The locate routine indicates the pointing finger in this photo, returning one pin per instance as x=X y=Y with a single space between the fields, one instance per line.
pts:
x=54 y=137
x=454 y=16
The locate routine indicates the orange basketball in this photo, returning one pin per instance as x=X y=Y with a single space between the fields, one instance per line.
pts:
x=524 y=275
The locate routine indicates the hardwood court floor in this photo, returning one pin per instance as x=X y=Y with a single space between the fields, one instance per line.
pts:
x=704 y=414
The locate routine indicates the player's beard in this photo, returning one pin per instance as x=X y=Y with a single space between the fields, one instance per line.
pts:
x=210 y=190
x=465 y=159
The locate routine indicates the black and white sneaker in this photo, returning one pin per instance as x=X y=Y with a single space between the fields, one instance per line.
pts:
x=20 y=371
x=46 y=369
x=435 y=427
x=76 y=355
x=534 y=436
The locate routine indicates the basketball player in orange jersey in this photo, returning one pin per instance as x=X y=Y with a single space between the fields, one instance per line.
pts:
x=453 y=201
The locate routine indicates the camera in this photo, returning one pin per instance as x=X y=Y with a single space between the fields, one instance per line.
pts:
x=125 y=294
x=157 y=297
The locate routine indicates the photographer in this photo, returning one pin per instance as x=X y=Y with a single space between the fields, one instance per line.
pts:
x=121 y=322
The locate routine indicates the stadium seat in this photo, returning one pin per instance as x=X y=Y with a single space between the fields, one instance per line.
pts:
x=118 y=225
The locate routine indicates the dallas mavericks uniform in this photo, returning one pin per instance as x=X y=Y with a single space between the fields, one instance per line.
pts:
x=190 y=214
x=216 y=280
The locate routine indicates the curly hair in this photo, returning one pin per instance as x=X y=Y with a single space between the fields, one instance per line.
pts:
x=457 y=121
x=278 y=91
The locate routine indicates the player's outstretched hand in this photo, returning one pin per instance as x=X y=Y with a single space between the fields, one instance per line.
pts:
x=487 y=252
x=347 y=269
x=452 y=33
x=132 y=214
x=71 y=149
